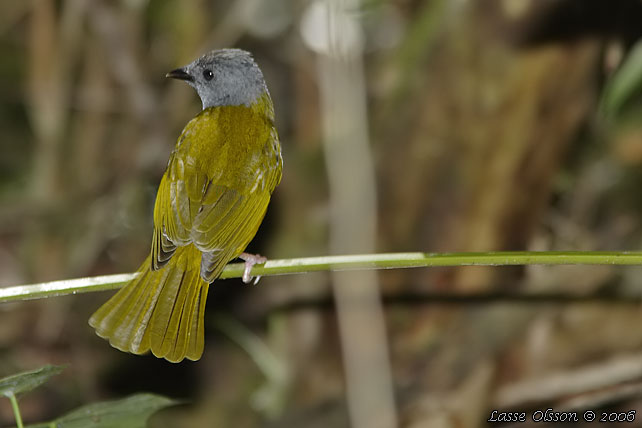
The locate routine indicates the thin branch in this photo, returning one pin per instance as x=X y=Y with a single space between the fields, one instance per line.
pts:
x=16 y=410
x=588 y=386
x=440 y=298
x=338 y=263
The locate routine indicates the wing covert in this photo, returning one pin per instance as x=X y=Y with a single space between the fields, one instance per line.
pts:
x=216 y=188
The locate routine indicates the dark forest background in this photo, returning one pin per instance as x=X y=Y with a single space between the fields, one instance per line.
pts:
x=491 y=125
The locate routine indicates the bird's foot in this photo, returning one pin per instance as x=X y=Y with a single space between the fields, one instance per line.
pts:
x=251 y=260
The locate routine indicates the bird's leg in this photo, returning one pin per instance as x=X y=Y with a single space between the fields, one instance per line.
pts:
x=251 y=260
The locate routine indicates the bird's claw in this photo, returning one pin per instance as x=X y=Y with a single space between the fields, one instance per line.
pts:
x=251 y=260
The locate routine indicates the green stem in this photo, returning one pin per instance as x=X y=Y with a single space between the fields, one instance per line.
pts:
x=336 y=263
x=16 y=409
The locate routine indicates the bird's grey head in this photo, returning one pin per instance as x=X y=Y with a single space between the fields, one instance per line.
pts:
x=224 y=77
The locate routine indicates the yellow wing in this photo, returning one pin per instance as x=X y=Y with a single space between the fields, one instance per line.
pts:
x=217 y=186
x=210 y=203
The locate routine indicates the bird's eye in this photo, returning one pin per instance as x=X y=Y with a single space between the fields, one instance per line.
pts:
x=207 y=74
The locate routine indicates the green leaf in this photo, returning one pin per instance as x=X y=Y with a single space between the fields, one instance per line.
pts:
x=129 y=412
x=625 y=84
x=26 y=381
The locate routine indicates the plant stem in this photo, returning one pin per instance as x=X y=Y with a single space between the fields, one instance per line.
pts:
x=336 y=263
x=16 y=409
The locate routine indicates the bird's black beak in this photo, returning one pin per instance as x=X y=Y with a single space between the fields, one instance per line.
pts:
x=180 y=74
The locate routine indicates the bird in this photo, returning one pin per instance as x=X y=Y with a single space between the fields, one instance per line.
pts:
x=210 y=203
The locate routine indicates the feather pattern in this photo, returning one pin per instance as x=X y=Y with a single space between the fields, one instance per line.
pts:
x=210 y=203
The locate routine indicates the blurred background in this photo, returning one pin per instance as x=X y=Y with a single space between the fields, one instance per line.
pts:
x=433 y=125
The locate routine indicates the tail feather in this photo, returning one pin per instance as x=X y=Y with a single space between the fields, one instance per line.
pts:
x=160 y=310
x=115 y=319
x=180 y=329
x=197 y=341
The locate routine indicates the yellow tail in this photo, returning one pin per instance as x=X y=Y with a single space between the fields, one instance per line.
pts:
x=161 y=310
